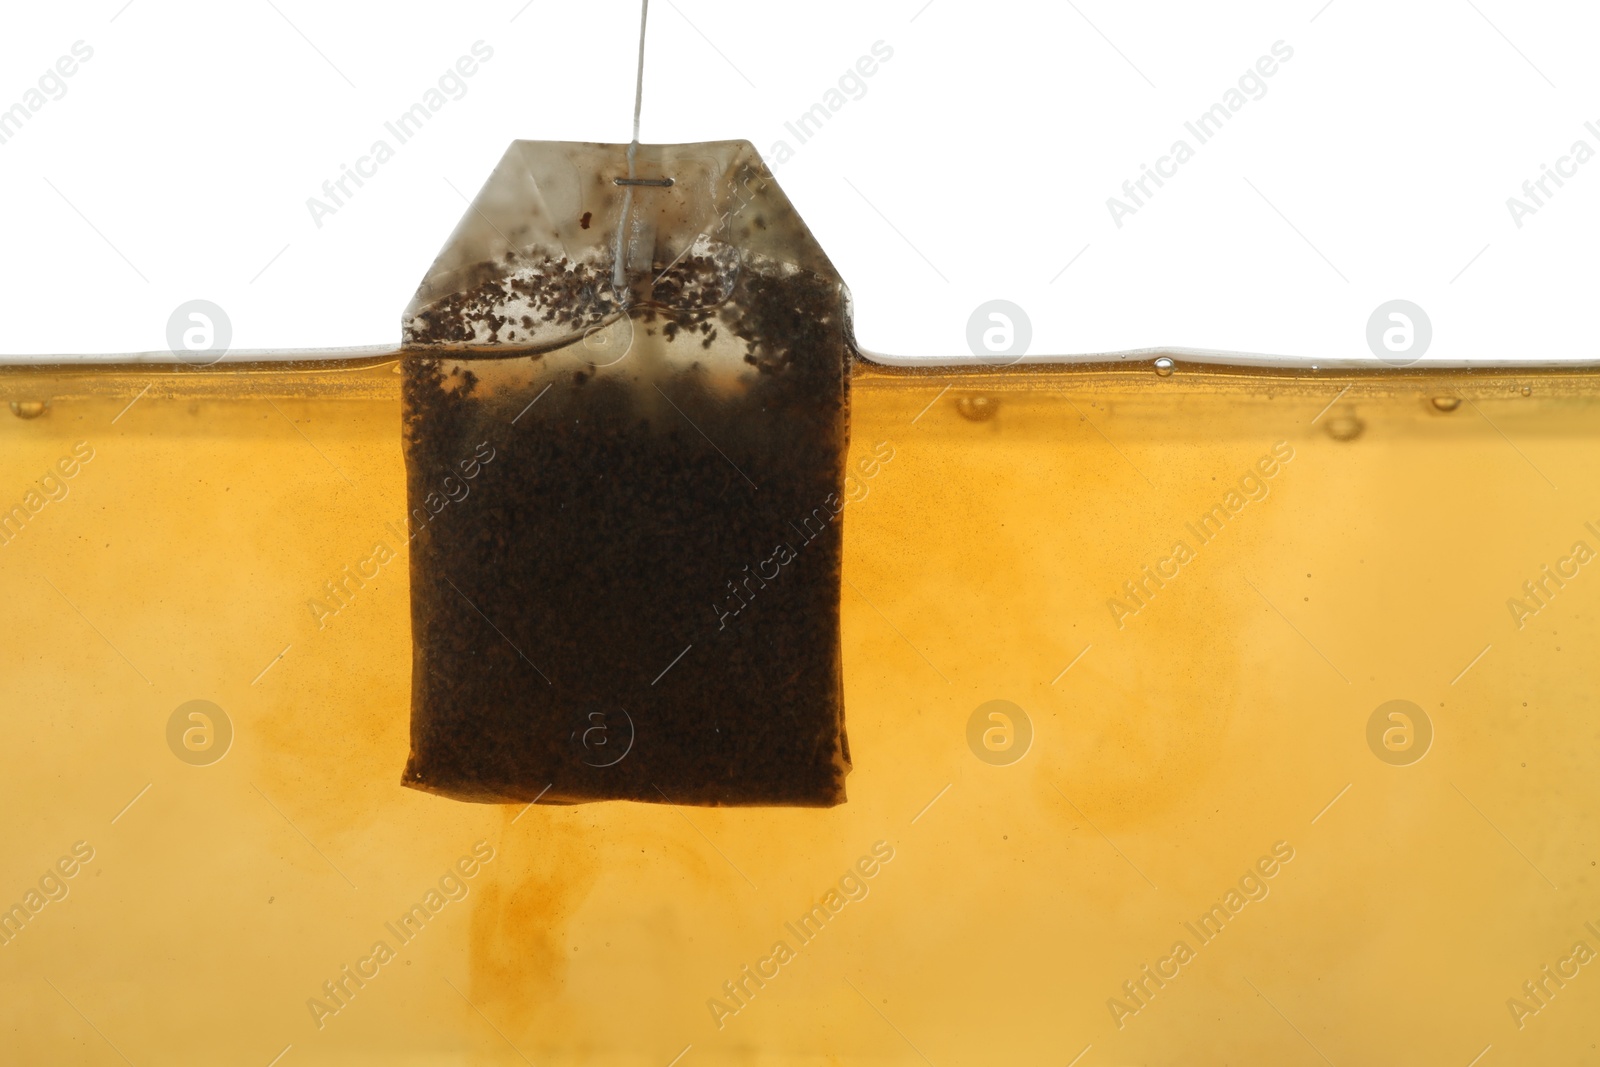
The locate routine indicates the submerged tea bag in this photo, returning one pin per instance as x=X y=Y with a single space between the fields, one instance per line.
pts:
x=626 y=412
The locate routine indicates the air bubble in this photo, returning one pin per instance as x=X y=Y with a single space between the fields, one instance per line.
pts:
x=977 y=407
x=1344 y=427
x=29 y=409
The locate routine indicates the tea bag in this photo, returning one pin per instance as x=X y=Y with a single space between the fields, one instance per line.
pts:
x=626 y=417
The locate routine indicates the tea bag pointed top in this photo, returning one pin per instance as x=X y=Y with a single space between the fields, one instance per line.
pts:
x=533 y=261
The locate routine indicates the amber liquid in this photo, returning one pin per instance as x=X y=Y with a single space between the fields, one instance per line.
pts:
x=1201 y=766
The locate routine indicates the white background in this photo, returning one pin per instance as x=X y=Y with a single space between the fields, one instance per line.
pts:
x=977 y=165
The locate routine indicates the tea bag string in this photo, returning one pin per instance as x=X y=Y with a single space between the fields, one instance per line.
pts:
x=638 y=83
x=618 y=278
